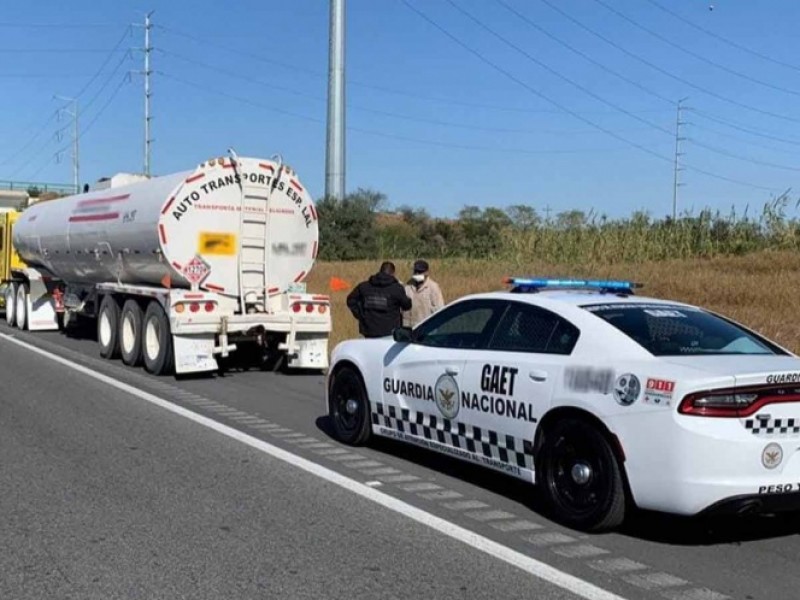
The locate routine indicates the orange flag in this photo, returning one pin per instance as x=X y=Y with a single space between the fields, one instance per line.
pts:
x=338 y=285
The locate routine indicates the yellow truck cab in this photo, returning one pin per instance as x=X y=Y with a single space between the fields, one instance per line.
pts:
x=9 y=259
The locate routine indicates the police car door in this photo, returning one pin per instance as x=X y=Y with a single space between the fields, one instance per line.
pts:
x=421 y=379
x=507 y=388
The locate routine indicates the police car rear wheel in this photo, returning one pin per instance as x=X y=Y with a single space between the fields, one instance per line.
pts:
x=581 y=477
x=349 y=407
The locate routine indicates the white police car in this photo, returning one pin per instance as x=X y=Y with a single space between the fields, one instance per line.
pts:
x=603 y=398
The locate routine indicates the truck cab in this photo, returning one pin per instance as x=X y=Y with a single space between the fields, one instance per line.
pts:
x=9 y=259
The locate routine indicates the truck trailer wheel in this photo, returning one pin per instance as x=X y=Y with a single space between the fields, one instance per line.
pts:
x=157 y=341
x=21 y=308
x=11 y=303
x=130 y=333
x=108 y=327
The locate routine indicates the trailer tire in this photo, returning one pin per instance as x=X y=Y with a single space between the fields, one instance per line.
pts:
x=108 y=327
x=130 y=333
x=11 y=303
x=156 y=340
x=21 y=307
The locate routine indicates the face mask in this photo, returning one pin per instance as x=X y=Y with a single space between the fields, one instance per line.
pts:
x=418 y=277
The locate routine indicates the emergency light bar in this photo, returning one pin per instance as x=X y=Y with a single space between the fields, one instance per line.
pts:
x=534 y=284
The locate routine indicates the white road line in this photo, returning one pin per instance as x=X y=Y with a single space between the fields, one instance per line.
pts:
x=494 y=549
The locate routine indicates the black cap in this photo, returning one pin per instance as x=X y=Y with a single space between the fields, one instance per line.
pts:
x=420 y=266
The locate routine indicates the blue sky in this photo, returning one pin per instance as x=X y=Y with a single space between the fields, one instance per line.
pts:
x=510 y=115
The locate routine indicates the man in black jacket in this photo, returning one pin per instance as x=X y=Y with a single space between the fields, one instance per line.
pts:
x=377 y=303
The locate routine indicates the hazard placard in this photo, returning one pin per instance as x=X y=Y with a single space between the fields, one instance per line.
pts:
x=195 y=271
x=216 y=243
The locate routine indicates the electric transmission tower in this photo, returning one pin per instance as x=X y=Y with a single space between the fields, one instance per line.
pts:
x=677 y=166
x=73 y=112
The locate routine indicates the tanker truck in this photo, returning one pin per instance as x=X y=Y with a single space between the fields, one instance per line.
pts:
x=179 y=270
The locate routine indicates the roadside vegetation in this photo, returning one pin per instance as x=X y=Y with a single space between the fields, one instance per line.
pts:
x=745 y=266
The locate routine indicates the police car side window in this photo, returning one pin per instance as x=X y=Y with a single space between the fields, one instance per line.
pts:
x=527 y=328
x=464 y=325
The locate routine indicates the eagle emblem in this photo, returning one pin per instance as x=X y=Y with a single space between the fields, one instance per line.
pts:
x=446 y=396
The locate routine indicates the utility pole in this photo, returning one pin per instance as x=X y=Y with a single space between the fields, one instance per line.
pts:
x=677 y=168
x=148 y=71
x=335 y=149
x=75 y=138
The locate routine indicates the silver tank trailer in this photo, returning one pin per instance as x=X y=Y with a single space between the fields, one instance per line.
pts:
x=226 y=217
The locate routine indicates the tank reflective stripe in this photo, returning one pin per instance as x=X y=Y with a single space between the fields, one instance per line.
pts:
x=267 y=167
x=162 y=233
x=177 y=265
x=167 y=205
x=313 y=211
x=95 y=217
x=194 y=296
x=96 y=201
x=314 y=250
x=195 y=177
x=216 y=288
x=297 y=185
x=273 y=291
x=299 y=277
x=228 y=166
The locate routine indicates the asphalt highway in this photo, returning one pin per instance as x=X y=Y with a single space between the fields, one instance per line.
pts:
x=107 y=495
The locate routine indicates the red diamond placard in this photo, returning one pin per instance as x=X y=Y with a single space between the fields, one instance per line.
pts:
x=195 y=271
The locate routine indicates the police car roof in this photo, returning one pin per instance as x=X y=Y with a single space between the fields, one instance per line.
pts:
x=578 y=297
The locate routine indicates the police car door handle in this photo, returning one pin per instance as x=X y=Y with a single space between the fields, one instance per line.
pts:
x=451 y=370
x=538 y=375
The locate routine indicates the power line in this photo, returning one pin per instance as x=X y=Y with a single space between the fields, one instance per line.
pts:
x=745 y=129
x=56 y=50
x=105 y=62
x=32 y=139
x=613 y=105
x=85 y=130
x=695 y=55
x=383 y=89
x=57 y=25
x=722 y=39
x=742 y=139
x=567 y=110
x=385 y=113
x=583 y=55
x=665 y=72
x=548 y=68
x=382 y=134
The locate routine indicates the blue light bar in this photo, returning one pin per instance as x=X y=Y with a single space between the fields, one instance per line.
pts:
x=538 y=283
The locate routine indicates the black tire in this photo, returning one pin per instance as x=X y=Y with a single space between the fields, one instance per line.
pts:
x=108 y=327
x=156 y=341
x=130 y=333
x=351 y=420
x=580 y=476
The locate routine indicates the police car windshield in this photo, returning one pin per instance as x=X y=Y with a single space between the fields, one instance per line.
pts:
x=666 y=330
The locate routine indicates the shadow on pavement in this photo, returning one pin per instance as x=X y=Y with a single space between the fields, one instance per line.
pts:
x=648 y=526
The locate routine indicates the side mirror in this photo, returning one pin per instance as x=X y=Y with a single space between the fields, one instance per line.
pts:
x=403 y=335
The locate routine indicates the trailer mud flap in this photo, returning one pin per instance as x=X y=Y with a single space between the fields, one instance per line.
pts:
x=194 y=353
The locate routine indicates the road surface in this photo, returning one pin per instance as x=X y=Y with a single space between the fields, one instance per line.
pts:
x=107 y=494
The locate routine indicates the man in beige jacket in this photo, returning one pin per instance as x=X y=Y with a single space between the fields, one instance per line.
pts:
x=426 y=296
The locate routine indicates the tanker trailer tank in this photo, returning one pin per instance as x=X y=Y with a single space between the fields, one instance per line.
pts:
x=179 y=269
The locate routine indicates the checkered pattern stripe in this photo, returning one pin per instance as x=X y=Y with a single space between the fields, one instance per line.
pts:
x=772 y=426
x=502 y=447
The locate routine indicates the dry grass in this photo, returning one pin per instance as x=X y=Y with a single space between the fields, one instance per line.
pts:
x=760 y=290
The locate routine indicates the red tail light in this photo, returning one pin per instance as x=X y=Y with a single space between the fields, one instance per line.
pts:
x=194 y=307
x=736 y=402
x=209 y=306
x=309 y=308
x=296 y=307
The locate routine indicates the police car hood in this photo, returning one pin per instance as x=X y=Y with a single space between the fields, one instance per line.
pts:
x=747 y=369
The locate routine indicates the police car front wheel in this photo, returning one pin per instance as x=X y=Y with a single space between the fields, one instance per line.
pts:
x=580 y=476
x=348 y=407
